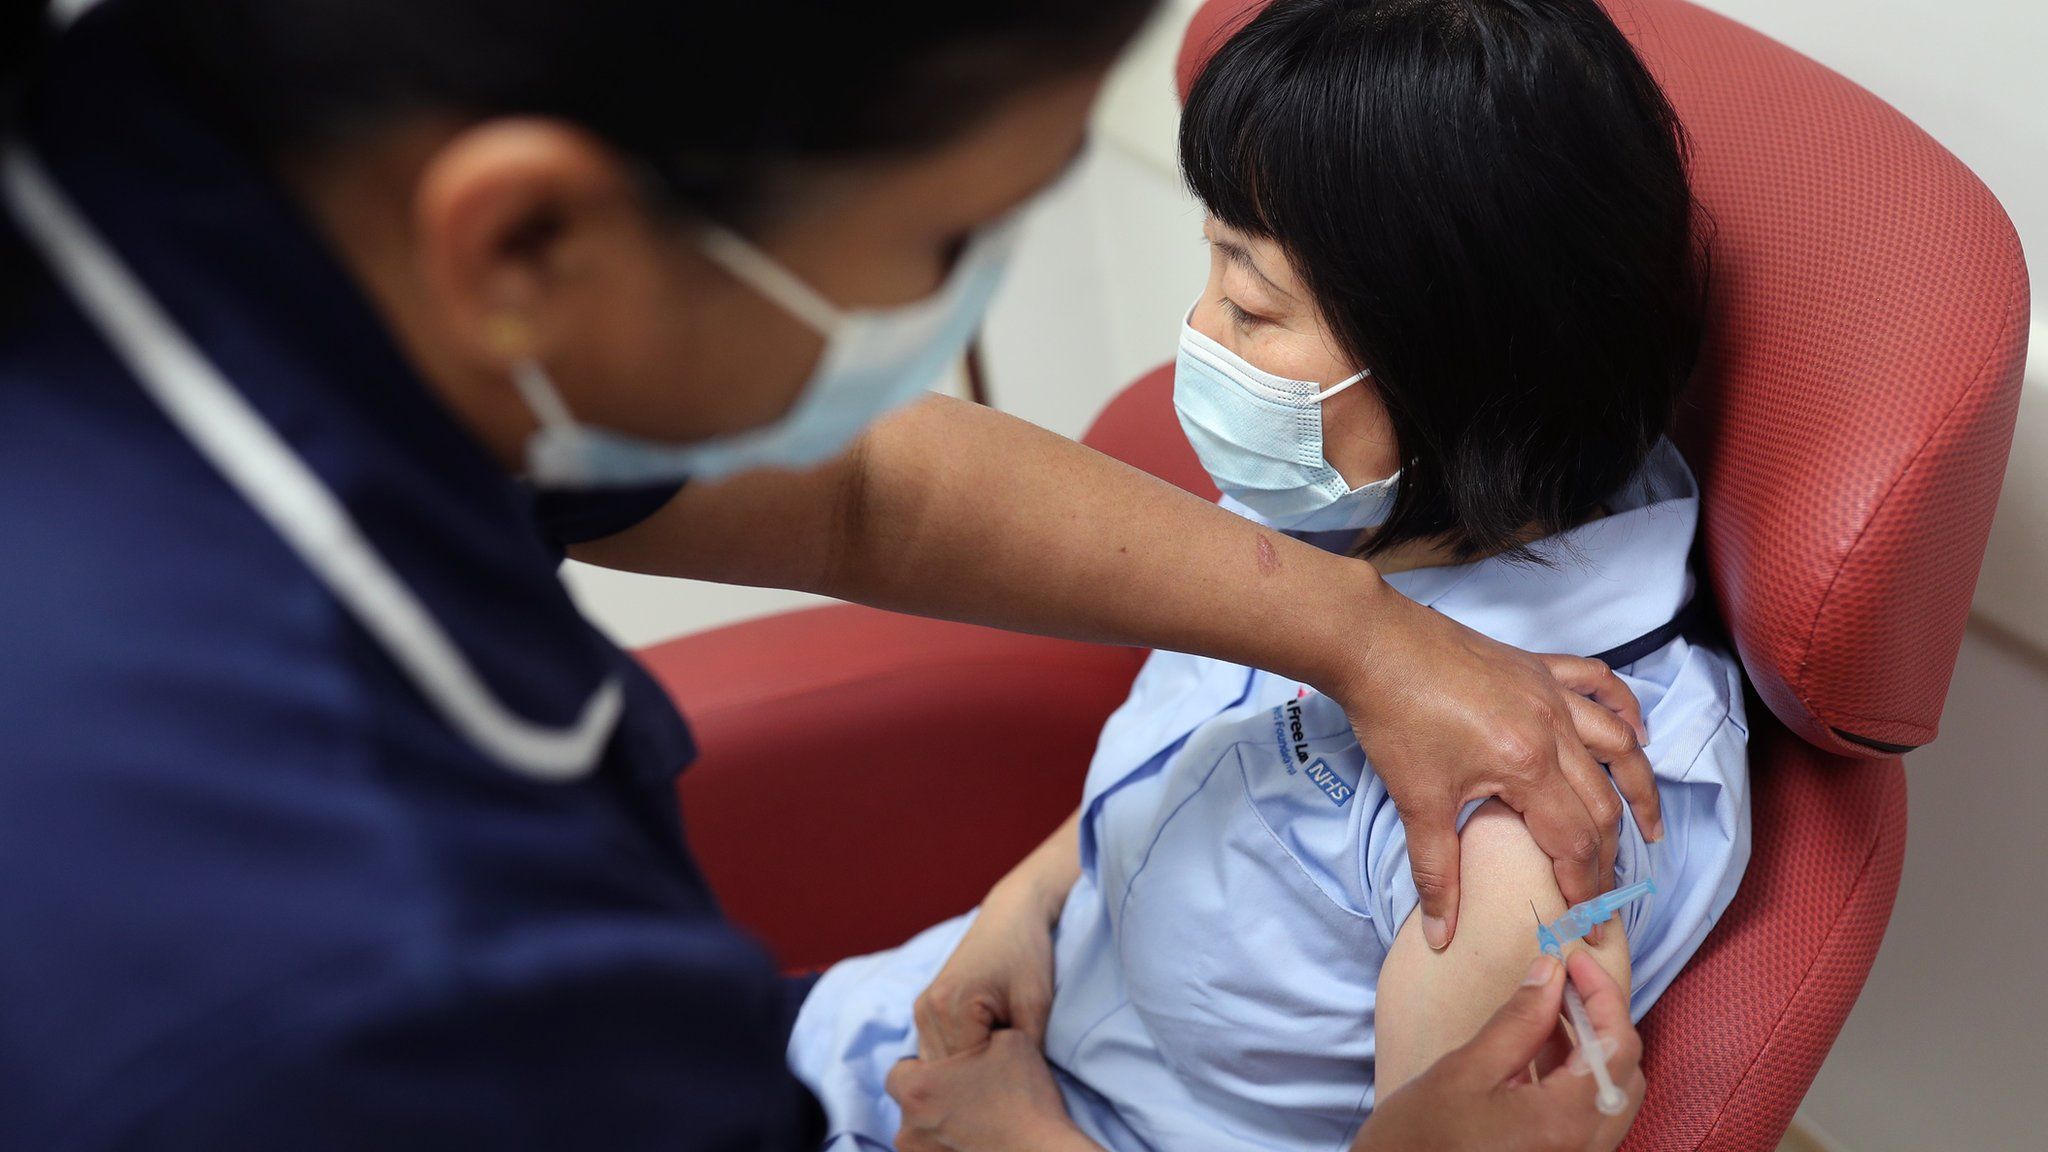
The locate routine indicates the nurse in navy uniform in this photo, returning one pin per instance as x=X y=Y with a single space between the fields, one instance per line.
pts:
x=328 y=329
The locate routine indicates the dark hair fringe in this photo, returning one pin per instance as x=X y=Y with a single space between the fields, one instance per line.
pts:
x=1488 y=200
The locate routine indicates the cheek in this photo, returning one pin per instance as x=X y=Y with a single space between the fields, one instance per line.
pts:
x=1358 y=439
x=679 y=366
x=1207 y=318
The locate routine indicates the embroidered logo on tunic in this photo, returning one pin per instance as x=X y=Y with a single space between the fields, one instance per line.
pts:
x=1288 y=734
x=1325 y=777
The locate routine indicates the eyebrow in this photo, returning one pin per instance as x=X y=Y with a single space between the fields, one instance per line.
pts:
x=1241 y=256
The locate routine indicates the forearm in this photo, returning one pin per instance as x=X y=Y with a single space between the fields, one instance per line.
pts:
x=1042 y=880
x=1018 y=528
x=952 y=510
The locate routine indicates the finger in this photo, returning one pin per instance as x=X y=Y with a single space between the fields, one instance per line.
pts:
x=1549 y=1058
x=1630 y=768
x=949 y=1021
x=1603 y=805
x=1519 y=1030
x=904 y=1082
x=1030 y=1008
x=1596 y=789
x=924 y=1015
x=1556 y=1050
x=1594 y=680
x=1565 y=1107
x=1433 y=858
x=1607 y=1010
x=1558 y=821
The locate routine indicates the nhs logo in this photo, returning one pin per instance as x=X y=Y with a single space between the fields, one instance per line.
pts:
x=1325 y=777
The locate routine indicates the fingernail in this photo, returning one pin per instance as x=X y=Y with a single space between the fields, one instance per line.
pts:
x=1596 y=934
x=1643 y=731
x=1657 y=831
x=1540 y=972
x=1436 y=932
x=1577 y=1064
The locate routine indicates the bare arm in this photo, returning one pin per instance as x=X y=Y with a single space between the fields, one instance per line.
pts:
x=1000 y=974
x=952 y=510
x=1043 y=879
x=1430 y=1003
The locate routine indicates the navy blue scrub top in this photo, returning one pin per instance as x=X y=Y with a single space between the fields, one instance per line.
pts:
x=257 y=891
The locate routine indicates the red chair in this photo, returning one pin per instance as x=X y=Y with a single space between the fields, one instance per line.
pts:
x=865 y=774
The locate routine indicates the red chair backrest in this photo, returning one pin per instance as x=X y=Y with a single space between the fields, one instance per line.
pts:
x=1854 y=405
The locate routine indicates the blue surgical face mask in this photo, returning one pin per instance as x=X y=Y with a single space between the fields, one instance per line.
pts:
x=875 y=360
x=1260 y=437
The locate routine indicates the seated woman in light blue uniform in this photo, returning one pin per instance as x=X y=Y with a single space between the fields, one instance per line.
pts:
x=1454 y=295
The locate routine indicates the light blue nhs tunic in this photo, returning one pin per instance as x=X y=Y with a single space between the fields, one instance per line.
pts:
x=1244 y=872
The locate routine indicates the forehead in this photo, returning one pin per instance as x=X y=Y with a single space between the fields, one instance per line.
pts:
x=1258 y=255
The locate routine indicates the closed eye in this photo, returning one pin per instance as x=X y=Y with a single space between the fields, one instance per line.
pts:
x=1244 y=320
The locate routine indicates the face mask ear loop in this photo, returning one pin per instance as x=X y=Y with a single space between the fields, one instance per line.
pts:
x=1339 y=386
x=542 y=398
x=761 y=272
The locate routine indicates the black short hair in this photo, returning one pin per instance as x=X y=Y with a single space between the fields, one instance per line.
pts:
x=1488 y=201
x=710 y=96
x=713 y=100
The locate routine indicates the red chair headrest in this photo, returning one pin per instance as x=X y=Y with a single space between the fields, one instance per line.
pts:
x=1854 y=405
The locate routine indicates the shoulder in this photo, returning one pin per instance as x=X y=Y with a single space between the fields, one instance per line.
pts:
x=1698 y=717
x=552 y=1038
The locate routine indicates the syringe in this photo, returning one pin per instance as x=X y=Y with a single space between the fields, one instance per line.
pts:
x=1580 y=918
x=1575 y=923
x=1610 y=1100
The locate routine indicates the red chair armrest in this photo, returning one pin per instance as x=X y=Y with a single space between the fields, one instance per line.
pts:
x=862 y=774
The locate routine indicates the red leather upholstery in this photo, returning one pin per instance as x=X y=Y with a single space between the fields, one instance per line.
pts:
x=1850 y=426
x=863 y=775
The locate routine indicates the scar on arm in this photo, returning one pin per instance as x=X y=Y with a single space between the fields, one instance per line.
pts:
x=1269 y=561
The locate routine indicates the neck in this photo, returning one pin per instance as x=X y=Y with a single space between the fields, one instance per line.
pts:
x=1435 y=552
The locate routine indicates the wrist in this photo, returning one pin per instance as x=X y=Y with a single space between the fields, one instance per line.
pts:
x=1059 y=1135
x=1027 y=891
x=1342 y=637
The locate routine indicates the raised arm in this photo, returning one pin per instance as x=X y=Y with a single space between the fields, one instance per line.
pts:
x=956 y=511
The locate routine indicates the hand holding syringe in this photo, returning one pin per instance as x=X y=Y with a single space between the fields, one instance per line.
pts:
x=1578 y=920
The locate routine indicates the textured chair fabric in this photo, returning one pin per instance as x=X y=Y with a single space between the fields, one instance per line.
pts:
x=1849 y=424
x=862 y=775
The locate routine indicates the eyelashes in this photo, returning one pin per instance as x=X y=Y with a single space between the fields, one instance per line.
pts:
x=1244 y=320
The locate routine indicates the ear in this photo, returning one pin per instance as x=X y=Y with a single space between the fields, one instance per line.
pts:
x=523 y=226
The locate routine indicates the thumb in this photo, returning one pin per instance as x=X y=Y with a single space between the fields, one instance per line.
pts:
x=906 y=1079
x=1433 y=857
x=950 y=1020
x=1518 y=1032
